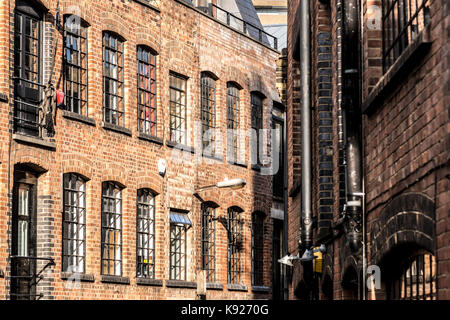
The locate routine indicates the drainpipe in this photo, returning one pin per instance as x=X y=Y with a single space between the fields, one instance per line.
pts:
x=305 y=73
x=351 y=105
x=305 y=86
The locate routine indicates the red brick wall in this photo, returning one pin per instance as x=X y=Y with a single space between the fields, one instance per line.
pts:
x=187 y=42
x=405 y=149
x=293 y=143
x=405 y=135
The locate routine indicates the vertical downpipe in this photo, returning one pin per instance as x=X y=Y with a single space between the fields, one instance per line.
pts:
x=353 y=126
x=305 y=86
x=305 y=73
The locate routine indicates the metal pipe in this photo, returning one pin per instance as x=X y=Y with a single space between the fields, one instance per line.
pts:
x=305 y=76
x=351 y=105
x=285 y=205
x=363 y=205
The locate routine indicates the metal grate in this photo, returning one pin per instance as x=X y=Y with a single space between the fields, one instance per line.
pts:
x=278 y=177
x=74 y=223
x=113 y=86
x=178 y=112
x=234 y=245
x=208 y=241
x=402 y=21
x=146 y=90
x=111 y=229
x=417 y=280
x=177 y=253
x=257 y=121
x=208 y=112
x=233 y=119
x=145 y=234
x=75 y=65
x=27 y=73
x=23 y=284
x=258 y=249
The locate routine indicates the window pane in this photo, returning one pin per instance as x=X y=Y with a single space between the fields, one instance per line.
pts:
x=113 y=107
x=146 y=91
x=145 y=234
x=178 y=124
x=111 y=229
x=75 y=70
x=74 y=200
x=234 y=244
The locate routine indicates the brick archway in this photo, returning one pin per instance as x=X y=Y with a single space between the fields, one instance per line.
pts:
x=408 y=219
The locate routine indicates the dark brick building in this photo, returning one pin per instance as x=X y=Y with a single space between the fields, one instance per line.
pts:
x=107 y=189
x=379 y=116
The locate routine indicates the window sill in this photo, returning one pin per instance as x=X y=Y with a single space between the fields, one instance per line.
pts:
x=78 y=117
x=115 y=279
x=214 y=286
x=180 y=146
x=237 y=287
x=398 y=70
x=260 y=289
x=35 y=141
x=256 y=167
x=181 y=284
x=84 y=277
x=212 y=157
x=148 y=5
x=243 y=165
x=150 y=138
x=149 y=282
x=116 y=128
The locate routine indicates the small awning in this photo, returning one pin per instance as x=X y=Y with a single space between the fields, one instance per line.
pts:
x=180 y=218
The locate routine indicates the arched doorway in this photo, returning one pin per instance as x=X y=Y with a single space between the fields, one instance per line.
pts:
x=402 y=245
x=409 y=273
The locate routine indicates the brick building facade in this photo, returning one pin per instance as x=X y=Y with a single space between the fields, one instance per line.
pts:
x=390 y=89
x=84 y=198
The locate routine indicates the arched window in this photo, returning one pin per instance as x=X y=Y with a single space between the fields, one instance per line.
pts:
x=113 y=85
x=75 y=62
x=147 y=117
x=208 y=112
x=209 y=240
x=111 y=229
x=74 y=223
x=258 y=249
x=235 y=244
x=233 y=122
x=27 y=67
x=416 y=279
x=178 y=108
x=145 y=225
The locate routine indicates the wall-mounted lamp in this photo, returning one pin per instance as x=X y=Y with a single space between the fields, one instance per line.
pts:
x=232 y=184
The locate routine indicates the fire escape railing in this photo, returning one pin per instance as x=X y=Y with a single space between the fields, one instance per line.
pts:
x=241 y=25
x=27 y=113
x=34 y=277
